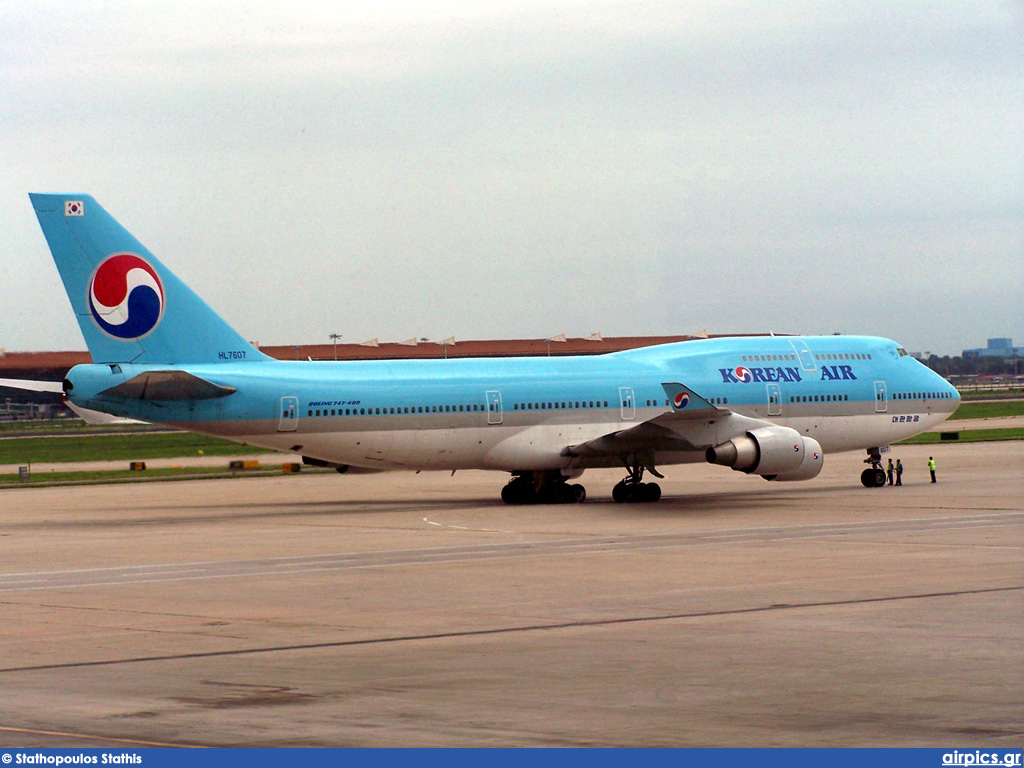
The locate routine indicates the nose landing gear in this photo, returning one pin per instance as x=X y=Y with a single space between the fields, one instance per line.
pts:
x=874 y=476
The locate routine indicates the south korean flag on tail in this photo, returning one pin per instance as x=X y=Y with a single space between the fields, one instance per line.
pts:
x=74 y=208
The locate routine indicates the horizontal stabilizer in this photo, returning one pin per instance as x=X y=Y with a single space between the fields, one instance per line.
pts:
x=90 y=416
x=33 y=386
x=168 y=385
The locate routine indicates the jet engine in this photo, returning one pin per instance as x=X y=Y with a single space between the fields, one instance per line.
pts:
x=775 y=453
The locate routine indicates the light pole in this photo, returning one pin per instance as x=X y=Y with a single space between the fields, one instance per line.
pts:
x=335 y=337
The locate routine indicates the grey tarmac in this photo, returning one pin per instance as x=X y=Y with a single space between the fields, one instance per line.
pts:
x=417 y=610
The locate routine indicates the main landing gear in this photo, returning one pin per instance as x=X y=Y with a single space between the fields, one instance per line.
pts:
x=552 y=487
x=542 y=488
x=874 y=476
x=631 y=489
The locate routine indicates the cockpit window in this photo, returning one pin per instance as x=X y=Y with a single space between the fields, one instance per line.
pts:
x=902 y=352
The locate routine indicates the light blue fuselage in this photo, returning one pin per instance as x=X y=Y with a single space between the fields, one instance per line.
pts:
x=514 y=414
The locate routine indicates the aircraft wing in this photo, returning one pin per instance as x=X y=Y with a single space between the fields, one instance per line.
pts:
x=693 y=424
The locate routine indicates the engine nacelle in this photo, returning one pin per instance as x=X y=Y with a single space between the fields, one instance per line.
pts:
x=776 y=453
x=813 y=461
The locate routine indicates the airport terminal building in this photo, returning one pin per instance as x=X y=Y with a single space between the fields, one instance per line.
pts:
x=996 y=348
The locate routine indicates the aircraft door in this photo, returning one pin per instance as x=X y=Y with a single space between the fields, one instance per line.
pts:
x=289 y=416
x=881 y=402
x=774 y=400
x=804 y=353
x=493 y=407
x=628 y=403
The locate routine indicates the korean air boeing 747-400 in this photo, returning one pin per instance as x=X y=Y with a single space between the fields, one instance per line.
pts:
x=769 y=406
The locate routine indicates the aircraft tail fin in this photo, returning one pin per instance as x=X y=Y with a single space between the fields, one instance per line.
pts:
x=130 y=307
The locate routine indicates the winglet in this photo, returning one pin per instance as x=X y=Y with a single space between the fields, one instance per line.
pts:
x=685 y=400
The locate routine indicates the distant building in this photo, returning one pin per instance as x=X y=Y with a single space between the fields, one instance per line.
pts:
x=996 y=348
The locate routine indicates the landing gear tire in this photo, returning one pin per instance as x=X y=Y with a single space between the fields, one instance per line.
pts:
x=636 y=493
x=652 y=492
x=561 y=494
x=620 y=493
x=522 y=490
x=579 y=493
x=872 y=478
x=519 y=491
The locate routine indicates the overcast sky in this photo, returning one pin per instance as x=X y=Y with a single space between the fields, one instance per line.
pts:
x=508 y=170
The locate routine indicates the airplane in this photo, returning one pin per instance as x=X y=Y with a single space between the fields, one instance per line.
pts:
x=770 y=406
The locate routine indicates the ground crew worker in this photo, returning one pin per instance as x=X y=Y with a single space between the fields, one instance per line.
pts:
x=899 y=472
x=888 y=471
x=931 y=467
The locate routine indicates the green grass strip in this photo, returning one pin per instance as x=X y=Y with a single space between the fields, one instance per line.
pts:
x=126 y=476
x=988 y=410
x=966 y=436
x=128 y=447
x=998 y=394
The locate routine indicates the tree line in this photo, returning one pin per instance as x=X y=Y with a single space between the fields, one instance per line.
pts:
x=975 y=366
